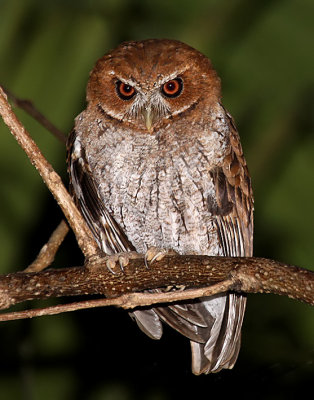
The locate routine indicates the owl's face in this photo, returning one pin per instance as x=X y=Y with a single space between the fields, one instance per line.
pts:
x=143 y=84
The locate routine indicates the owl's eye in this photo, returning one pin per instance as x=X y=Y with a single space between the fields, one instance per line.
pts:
x=125 y=91
x=172 y=88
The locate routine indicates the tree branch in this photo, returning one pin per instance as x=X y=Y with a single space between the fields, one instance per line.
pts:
x=50 y=177
x=240 y=274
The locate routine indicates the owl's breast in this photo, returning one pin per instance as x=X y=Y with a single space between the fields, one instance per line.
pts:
x=159 y=196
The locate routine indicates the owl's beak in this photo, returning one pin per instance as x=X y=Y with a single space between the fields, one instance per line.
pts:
x=148 y=118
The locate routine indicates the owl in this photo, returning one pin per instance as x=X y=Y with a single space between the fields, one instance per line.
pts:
x=155 y=161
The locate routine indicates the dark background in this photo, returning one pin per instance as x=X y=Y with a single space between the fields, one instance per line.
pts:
x=263 y=51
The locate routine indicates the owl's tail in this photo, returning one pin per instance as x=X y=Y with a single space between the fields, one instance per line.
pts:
x=213 y=325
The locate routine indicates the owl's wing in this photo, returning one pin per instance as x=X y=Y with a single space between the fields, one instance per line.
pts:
x=233 y=211
x=233 y=203
x=108 y=234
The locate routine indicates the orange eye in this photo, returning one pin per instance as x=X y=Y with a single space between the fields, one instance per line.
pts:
x=125 y=91
x=172 y=88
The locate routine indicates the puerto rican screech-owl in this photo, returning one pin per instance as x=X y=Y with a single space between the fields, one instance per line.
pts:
x=156 y=160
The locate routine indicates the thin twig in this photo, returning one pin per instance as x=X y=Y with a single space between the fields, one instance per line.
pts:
x=51 y=178
x=126 y=301
x=28 y=106
x=48 y=251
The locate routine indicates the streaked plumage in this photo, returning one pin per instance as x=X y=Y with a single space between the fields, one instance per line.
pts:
x=155 y=160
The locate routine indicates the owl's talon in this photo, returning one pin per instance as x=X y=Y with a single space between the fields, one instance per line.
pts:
x=121 y=265
x=156 y=254
x=109 y=264
x=122 y=259
x=146 y=262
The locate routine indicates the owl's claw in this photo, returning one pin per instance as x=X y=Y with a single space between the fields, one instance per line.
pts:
x=156 y=254
x=122 y=259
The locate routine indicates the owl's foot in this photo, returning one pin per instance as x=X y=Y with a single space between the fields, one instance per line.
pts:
x=120 y=259
x=156 y=254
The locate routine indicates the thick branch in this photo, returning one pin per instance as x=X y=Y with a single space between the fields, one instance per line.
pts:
x=50 y=177
x=241 y=274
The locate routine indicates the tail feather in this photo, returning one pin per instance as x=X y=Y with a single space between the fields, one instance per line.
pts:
x=189 y=329
x=221 y=351
x=213 y=326
x=149 y=322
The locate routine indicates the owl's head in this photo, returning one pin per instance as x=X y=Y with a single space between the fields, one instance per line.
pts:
x=145 y=83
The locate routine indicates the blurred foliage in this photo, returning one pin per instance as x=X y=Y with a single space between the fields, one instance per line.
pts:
x=263 y=52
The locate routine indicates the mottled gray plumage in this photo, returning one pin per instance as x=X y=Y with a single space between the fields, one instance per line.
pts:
x=157 y=169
